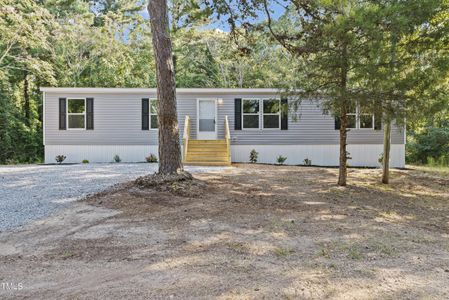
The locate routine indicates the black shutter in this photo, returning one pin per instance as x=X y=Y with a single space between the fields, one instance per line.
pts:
x=90 y=113
x=378 y=121
x=238 y=114
x=284 y=114
x=62 y=114
x=145 y=114
x=337 y=123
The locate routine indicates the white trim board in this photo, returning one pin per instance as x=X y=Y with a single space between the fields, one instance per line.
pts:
x=153 y=90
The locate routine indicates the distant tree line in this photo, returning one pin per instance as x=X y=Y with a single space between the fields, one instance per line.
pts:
x=388 y=56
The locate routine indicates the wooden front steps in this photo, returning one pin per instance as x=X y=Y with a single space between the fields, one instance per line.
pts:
x=207 y=153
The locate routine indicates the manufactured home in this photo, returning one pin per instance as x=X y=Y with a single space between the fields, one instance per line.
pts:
x=217 y=126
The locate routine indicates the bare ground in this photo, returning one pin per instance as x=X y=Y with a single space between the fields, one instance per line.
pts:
x=252 y=232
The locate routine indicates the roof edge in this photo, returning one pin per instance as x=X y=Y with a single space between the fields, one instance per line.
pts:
x=153 y=90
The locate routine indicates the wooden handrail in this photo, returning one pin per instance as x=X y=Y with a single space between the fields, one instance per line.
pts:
x=228 y=138
x=186 y=136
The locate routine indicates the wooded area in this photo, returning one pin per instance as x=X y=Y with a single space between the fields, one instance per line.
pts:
x=389 y=56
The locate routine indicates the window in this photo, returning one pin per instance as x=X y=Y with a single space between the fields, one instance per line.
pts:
x=271 y=113
x=366 y=119
x=359 y=119
x=250 y=113
x=352 y=116
x=154 y=124
x=76 y=113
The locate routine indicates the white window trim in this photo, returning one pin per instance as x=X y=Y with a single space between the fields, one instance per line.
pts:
x=75 y=114
x=261 y=114
x=150 y=114
x=250 y=114
x=271 y=114
x=367 y=128
x=357 y=115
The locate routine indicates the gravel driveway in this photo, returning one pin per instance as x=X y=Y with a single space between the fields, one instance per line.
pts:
x=30 y=192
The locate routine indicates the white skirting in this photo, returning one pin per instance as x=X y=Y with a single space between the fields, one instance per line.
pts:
x=320 y=155
x=99 y=153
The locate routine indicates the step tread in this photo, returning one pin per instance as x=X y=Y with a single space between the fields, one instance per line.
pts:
x=207 y=149
x=197 y=163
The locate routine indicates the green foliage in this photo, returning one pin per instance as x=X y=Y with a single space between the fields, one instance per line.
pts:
x=116 y=158
x=281 y=159
x=151 y=158
x=85 y=161
x=253 y=155
x=60 y=158
x=430 y=146
x=105 y=43
x=307 y=162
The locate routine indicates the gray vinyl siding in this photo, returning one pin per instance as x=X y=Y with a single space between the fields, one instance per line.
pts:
x=117 y=121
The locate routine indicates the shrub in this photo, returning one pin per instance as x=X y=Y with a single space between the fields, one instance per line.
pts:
x=380 y=160
x=281 y=159
x=151 y=159
x=60 y=158
x=85 y=161
x=307 y=162
x=253 y=155
x=429 y=145
x=117 y=158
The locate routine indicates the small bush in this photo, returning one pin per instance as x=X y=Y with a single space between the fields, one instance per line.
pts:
x=151 y=158
x=380 y=160
x=60 y=158
x=307 y=162
x=253 y=155
x=85 y=161
x=117 y=158
x=281 y=159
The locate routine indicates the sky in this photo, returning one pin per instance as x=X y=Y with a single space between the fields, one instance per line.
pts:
x=276 y=12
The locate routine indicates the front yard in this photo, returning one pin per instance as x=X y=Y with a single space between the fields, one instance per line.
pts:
x=249 y=232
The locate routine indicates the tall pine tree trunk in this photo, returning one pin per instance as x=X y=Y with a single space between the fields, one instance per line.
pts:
x=169 y=146
x=386 y=156
x=387 y=125
x=342 y=171
x=26 y=98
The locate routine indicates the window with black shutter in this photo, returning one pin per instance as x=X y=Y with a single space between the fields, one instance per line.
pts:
x=145 y=114
x=90 y=113
x=238 y=114
x=284 y=114
x=62 y=114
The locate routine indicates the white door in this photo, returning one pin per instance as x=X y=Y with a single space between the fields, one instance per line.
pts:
x=207 y=115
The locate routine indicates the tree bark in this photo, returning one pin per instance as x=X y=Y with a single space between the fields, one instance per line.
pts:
x=342 y=171
x=386 y=156
x=26 y=98
x=169 y=147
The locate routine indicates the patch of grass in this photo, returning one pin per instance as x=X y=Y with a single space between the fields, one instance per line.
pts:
x=282 y=225
x=355 y=252
x=67 y=254
x=238 y=247
x=324 y=252
x=437 y=170
x=385 y=250
x=283 y=252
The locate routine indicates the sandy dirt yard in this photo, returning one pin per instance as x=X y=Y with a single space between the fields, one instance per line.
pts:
x=251 y=232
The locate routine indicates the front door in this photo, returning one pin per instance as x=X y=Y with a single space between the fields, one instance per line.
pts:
x=207 y=115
